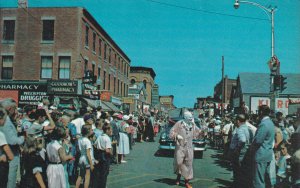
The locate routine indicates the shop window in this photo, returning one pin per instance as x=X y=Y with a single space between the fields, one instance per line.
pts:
x=46 y=67
x=64 y=67
x=48 y=30
x=7 y=67
x=9 y=30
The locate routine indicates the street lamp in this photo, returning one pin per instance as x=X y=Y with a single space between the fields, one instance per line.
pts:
x=270 y=13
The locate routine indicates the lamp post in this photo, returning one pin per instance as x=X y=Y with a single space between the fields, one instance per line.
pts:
x=270 y=13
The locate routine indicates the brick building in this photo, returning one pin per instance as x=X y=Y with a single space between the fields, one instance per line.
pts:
x=42 y=44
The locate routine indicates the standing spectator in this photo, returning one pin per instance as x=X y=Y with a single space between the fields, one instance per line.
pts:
x=56 y=156
x=103 y=154
x=151 y=126
x=240 y=141
x=6 y=154
x=14 y=141
x=115 y=137
x=123 y=148
x=27 y=119
x=86 y=164
x=282 y=166
x=262 y=149
x=78 y=121
x=99 y=112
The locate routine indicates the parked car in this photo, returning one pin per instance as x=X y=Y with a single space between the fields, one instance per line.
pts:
x=169 y=144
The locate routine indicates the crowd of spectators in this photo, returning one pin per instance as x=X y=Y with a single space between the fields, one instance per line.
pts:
x=43 y=146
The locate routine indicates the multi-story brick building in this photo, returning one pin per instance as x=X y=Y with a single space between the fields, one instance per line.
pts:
x=42 y=44
x=146 y=76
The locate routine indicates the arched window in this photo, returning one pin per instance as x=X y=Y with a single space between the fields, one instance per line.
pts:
x=145 y=83
x=132 y=81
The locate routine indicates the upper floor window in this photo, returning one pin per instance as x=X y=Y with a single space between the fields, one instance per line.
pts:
x=93 y=69
x=99 y=72
x=109 y=55
x=7 y=67
x=85 y=65
x=104 y=80
x=132 y=81
x=105 y=46
x=48 y=30
x=145 y=83
x=64 y=67
x=9 y=30
x=46 y=67
x=94 y=42
x=100 y=43
x=87 y=35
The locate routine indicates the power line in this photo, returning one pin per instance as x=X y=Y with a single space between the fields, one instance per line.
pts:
x=205 y=11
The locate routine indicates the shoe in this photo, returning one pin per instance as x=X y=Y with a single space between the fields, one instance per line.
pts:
x=177 y=182
x=187 y=185
x=123 y=161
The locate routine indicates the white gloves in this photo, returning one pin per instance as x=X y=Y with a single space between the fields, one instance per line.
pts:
x=179 y=137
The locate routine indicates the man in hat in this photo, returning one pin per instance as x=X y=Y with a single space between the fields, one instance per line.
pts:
x=183 y=133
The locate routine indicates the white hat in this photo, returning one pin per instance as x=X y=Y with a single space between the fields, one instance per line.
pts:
x=125 y=117
x=89 y=108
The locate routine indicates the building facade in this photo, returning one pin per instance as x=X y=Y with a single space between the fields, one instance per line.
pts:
x=155 y=96
x=143 y=75
x=61 y=44
x=228 y=84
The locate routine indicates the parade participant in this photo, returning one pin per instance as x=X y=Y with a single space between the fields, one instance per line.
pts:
x=183 y=133
x=56 y=156
x=6 y=154
x=14 y=141
x=103 y=154
x=240 y=143
x=262 y=149
x=86 y=164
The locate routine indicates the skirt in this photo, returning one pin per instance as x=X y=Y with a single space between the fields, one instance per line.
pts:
x=56 y=176
x=123 y=144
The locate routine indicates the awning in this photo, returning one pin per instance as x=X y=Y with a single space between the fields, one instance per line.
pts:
x=92 y=103
x=108 y=106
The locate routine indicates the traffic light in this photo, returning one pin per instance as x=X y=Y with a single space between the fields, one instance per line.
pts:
x=277 y=82
x=282 y=83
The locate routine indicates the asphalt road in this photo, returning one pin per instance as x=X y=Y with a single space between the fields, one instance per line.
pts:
x=148 y=168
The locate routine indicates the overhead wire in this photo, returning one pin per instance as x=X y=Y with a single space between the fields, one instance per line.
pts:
x=205 y=11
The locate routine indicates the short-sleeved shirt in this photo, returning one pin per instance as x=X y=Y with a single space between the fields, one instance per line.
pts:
x=103 y=142
x=2 y=142
x=52 y=151
x=85 y=144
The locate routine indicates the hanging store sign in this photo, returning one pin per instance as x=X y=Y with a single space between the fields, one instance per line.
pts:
x=116 y=100
x=127 y=100
x=105 y=96
x=62 y=87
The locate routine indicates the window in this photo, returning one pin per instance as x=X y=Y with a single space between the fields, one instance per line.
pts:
x=85 y=66
x=48 y=30
x=94 y=42
x=145 y=83
x=118 y=89
x=108 y=82
x=115 y=59
x=124 y=90
x=132 y=81
x=109 y=55
x=99 y=72
x=87 y=35
x=114 y=84
x=64 y=67
x=93 y=69
x=121 y=85
x=7 y=67
x=105 y=46
x=46 y=67
x=9 y=30
x=100 y=43
x=104 y=79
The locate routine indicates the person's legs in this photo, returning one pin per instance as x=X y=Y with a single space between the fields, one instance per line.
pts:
x=259 y=175
x=178 y=179
x=12 y=174
x=87 y=178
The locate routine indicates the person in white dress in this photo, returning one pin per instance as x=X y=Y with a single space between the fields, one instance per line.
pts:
x=56 y=155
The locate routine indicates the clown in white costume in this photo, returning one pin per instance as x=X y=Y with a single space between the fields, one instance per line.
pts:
x=183 y=133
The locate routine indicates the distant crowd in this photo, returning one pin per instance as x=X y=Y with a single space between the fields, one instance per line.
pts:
x=43 y=146
x=263 y=148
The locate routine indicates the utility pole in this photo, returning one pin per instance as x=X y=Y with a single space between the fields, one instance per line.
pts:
x=223 y=85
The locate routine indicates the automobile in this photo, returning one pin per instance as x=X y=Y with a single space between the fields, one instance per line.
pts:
x=68 y=103
x=165 y=143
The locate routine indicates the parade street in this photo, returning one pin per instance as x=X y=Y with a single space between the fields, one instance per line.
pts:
x=146 y=168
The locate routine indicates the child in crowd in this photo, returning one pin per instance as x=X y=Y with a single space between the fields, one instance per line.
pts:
x=86 y=164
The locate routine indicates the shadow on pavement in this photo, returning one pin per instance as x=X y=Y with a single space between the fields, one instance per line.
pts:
x=164 y=153
x=167 y=181
x=220 y=161
x=224 y=183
